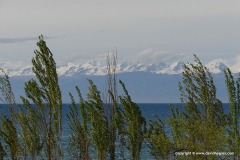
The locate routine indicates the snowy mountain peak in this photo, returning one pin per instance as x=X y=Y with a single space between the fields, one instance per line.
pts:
x=177 y=66
x=174 y=68
x=216 y=66
x=95 y=68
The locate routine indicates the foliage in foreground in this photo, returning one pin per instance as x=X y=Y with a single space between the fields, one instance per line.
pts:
x=233 y=88
x=159 y=143
x=46 y=95
x=200 y=126
x=135 y=124
x=78 y=123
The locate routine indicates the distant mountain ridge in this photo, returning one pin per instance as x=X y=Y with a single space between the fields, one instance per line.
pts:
x=147 y=83
x=95 y=68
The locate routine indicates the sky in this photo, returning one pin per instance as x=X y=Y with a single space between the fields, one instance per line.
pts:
x=149 y=31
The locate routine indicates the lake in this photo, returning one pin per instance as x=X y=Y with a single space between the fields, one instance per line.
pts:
x=149 y=110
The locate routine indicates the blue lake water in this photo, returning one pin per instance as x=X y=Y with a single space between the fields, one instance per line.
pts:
x=149 y=110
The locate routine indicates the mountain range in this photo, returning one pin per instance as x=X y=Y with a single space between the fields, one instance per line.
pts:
x=146 y=83
x=95 y=68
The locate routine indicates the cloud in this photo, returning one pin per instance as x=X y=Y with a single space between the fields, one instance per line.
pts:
x=235 y=64
x=7 y=64
x=20 y=40
x=146 y=56
x=155 y=56
x=84 y=57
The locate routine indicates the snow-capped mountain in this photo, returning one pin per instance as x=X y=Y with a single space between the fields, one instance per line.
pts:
x=175 y=68
x=89 y=68
x=146 y=82
x=21 y=71
x=95 y=68
x=216 y=66
x=139 y=67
